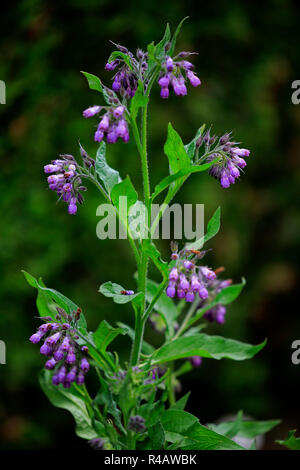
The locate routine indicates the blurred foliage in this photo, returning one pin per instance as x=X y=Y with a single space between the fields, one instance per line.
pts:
x=247 y=61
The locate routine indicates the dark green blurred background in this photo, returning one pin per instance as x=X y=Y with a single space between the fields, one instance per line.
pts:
x=247 y=61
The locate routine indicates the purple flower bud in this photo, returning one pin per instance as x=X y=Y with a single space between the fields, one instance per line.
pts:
x=99 y=135
x=203 y=293
x=137 y=424
x=241 y=152
x=67 y=188
x=80 y=378
x=53 y=339
x=50 y=168
x=195 y=283
x=179 y=86
x=164 y=93
x=233 y=170
x=239 y=161
x=116 y=86
x=112 y=136
x=118 y=111
x=173 y=276
x=111 y=65
x=65 y=326
x=71 y=376
x=55 y=379
x=180 y=294
x=171 y=291
x=72 y=209
x=169 y=64
x=36 y=337
x=84 y=365
x=61 y=374
x=164 y=81
x=184 y=283
x=188 y=264
x=97 y=443
x=225 y=183
x=194 y=80
x=122 y=129
x=208 y=273
x=220 y=314
x=174 y=256
x=190 y=296
x=85 y=349
x=89 y=112
x=45 y=349
x=53 y=179
x=196 y=361
x=50 y=364
x=58 y=355
x=187 y=65
x=104 y=123
x=71 y=357
x=65 y=345
x=46 y=327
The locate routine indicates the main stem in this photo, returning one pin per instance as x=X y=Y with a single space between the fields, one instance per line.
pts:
x=142 y=281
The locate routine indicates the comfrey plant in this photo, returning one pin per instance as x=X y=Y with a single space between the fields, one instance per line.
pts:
x=136 y=406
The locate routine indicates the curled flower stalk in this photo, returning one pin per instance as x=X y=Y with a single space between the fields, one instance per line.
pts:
x=134 y=402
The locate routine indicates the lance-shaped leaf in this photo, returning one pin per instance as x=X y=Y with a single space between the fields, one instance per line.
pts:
x=69 y=399
x=244 y=428
x=186 y=432
x=213 y=228
x=123 y=196
x=160 y=48
x=191 y=146
x=165 y=182
x=164 y=305
x=113 y=290
x=154 y=255
x=138 y=101
x=120 y=55
x=174 y=38
x=47 y=298
x=214 y=347
x=105 y=334
x=291 y=442
x=93 y=81
x=107 y=175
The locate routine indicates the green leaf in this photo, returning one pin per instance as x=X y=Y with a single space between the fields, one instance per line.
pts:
x=164 y=305
x=47 y=295
x=120 y=55
x=157 y=436
x=185 y=430
x=160 y=47
x=93 y=81
x=105 y=334
x=165 y=182
x=175 y=151
x=247 y=429
x=213 y=227
x=174 y=38
x=229 y=294
x=181 y=404
x=108 y=175
x=154 y=255
x=214 y=347
x=291 y=442
x=123 y=196
x=138 y=101
x=191 y=146
x=110 y=289
x=105 y=397
x=69 y=399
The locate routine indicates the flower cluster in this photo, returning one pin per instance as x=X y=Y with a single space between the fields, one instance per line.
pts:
x=125 y=81
x=65 y=356
x=65 y=181
x=137 y=424
x=191 y=282
x=227 y=169
x=112 y=125
x=174 y=73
